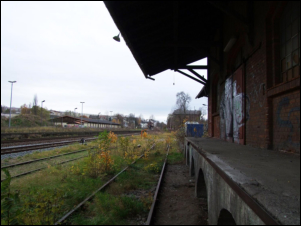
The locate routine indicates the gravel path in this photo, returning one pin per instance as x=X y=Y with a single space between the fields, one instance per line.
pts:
x=177 y=204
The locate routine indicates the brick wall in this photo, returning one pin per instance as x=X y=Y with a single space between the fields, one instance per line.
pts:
x=256 y=93
x=272 y=110
x=286 y=122
x=216 y=130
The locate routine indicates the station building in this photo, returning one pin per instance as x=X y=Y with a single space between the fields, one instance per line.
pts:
x=253 y=52
x=68 y=121
x=253 y=91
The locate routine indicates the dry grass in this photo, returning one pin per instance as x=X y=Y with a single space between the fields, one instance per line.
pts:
x=41 y=164
x=76 y=186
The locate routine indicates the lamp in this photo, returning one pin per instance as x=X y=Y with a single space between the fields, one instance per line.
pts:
x=82 y=113
x=230 y=44
x=116 y=38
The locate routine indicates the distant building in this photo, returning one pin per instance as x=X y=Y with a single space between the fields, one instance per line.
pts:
x=190 y=115
x=68 y=121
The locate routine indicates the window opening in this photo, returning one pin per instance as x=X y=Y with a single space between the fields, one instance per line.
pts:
x=290 y=42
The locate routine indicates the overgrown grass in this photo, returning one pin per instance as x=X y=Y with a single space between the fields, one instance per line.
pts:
x=118 y=205
x=108 y=209
x=41 y=164
x=21 y=120
x=62 y=187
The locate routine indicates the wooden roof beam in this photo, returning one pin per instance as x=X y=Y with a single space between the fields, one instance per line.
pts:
x=183 y=73
x=188 y=67
x=196 y=74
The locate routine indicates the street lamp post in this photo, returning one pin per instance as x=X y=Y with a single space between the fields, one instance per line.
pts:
x=82 y=112
x=206 y=106
x=99 y=119
x=11 y=98
x=74 y=112
x=42 y=110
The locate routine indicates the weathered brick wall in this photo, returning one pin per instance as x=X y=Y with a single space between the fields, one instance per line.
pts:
x=272 y=111
x=286 y=122
x=216 y=122
x=256 y=93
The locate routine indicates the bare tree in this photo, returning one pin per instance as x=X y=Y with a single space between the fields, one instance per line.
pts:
x=183 y=100
x=35 y=107
x=180 y=111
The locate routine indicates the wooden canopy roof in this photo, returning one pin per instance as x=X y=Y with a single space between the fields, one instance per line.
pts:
x=166 y=34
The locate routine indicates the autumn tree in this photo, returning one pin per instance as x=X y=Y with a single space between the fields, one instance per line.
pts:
x=25 y=109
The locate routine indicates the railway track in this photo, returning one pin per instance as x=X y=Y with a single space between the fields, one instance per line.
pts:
x=21 y=148
x=28 y=141
x=63 y=220
x=155 y=192
x=31 y=147
x=43 y=159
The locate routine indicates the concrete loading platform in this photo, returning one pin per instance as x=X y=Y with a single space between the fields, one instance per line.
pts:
x=243 y=184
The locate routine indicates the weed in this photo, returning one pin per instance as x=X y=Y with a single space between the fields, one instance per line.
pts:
x=10 y=212
x=43 y=207
x=152 y=168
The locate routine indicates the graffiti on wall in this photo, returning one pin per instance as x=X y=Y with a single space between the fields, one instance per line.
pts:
x=228 y=107
x=257 y=90
x=239 y=99
x=294 y=128
x=233 y=113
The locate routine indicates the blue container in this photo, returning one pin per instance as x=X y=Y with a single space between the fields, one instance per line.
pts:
x=194 y=130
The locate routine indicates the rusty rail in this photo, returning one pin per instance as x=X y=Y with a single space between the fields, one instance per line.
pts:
x=36 y=160
x=150 y=214
x=16 y=149
x=32 y=171
x=93 y=194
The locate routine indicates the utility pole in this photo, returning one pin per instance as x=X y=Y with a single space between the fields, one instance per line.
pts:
x=111 y=118
x=82 y=112
x=11 y=98
x=99 y=119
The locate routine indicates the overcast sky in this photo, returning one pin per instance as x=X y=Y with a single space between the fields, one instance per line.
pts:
x=64 y=53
